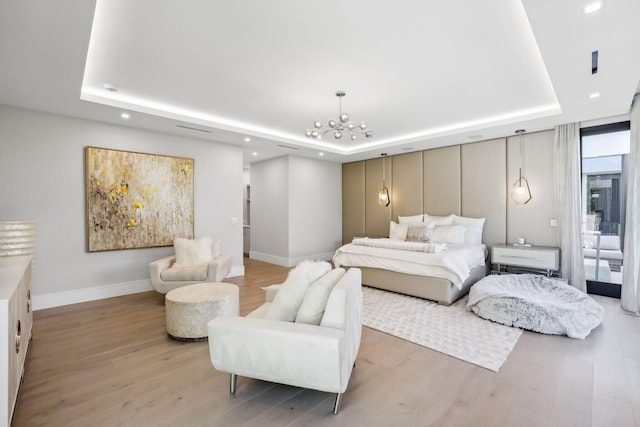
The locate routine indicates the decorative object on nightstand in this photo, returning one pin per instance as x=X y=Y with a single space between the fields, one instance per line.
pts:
x=525 y=258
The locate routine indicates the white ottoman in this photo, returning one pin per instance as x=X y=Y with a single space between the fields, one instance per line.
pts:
x=190 y=308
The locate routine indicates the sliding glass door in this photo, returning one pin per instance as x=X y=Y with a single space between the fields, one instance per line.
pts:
x=605 y=153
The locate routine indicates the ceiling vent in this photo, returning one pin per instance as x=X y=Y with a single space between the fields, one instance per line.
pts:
x=196 y=129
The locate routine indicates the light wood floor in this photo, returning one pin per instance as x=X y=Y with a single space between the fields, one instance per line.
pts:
x=110 y=363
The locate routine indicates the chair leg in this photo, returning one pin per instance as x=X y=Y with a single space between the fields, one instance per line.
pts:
x=232 y=383
x=336 y=407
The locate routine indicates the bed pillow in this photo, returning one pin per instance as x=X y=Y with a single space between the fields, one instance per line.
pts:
x=419 y=232
x=190 y=253
x=289 y=298
x=398 y=231
x=472 y=228
x=410 y=219
x=452 y=234
x=316 y=297
x=438 y=220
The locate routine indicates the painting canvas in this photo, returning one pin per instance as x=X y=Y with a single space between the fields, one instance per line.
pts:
x=137 y=200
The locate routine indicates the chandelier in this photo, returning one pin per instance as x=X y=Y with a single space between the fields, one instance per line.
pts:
x=339 y=127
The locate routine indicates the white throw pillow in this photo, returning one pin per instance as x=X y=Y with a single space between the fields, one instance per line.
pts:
x=398 y=231
x=472 y=228
x=453 y=234
x=419 y=232
x=192 y=252
x=289 y=298
x=438 y=220
x=410 y=219
x=315 y=300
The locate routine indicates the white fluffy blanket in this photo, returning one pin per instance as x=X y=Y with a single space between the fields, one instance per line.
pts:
x=535 y=302
x=399 y=244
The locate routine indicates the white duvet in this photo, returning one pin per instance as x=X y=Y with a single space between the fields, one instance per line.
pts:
x=454 y=263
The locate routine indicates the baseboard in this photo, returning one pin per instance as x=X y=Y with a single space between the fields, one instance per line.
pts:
x=58 y=299
x=75 y=296
x=236 y=271
x=288 y=262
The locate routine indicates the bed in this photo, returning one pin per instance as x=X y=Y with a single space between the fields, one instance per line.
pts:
x=439 y=272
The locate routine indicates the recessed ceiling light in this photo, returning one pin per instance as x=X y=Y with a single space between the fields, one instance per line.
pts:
x=247 y=139
x=321 y=154
x=592 y=7
x=594 y=95
x=110 y=87
x=255 y=153
x=125 y=116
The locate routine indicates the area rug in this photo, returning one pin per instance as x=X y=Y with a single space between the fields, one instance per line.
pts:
x=450 y=330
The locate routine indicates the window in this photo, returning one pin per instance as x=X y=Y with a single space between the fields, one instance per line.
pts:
x=605 y=152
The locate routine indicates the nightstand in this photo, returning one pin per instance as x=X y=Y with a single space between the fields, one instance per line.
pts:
x=512 y=258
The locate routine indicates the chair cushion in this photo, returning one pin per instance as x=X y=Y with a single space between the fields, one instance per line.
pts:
x=290 y=296
x=184 y=274
x=192 y=252
x=315 y=299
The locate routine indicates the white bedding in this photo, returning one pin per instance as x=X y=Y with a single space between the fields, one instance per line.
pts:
x=453 y=264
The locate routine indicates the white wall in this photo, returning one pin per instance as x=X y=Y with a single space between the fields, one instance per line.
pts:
x=296 y=209
x=270 y=210
x=42 y=170
x=315 y=208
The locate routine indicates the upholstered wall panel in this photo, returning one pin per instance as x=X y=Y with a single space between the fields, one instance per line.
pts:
x=441 y=170
x=377 y=218
x=484 y=186
x=406 y=192
x=531 y=220
x=352 y=200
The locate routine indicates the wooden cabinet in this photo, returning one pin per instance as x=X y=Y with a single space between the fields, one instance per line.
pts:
x=16 y=318
x=534 y=258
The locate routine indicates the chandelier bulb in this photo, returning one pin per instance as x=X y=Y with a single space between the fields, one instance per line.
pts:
x=333 y=124
x=351 y=126
x=307 y=132
x=337 y=134
x=353 y=137
x=363 y=125
x=314 y=133
x=344 y=117
x=317 y=124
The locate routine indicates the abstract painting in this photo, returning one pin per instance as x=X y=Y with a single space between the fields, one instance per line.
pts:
x=136 y=200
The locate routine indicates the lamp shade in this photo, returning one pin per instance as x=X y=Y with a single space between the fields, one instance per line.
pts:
x=520 y=192
x=383 y=196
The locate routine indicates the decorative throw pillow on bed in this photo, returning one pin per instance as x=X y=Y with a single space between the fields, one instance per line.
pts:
x=472 y=228
x=419 y=232
x=398 y=231
x=316 y=297
x=192 y=252
x=289 y=298
x=453 y=234
x=438 y=220
x=410 y=219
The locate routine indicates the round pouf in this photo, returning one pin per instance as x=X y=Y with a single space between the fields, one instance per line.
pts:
x=190 y=308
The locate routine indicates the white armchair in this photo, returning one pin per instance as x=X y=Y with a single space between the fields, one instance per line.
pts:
x=317 y=356
x=194 y=261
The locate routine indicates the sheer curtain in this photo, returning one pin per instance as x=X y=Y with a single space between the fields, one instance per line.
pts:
x=568 y=200
x=630 y=296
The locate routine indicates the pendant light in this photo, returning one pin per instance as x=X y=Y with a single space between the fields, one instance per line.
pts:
x=520 y=192
x=384 y=199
